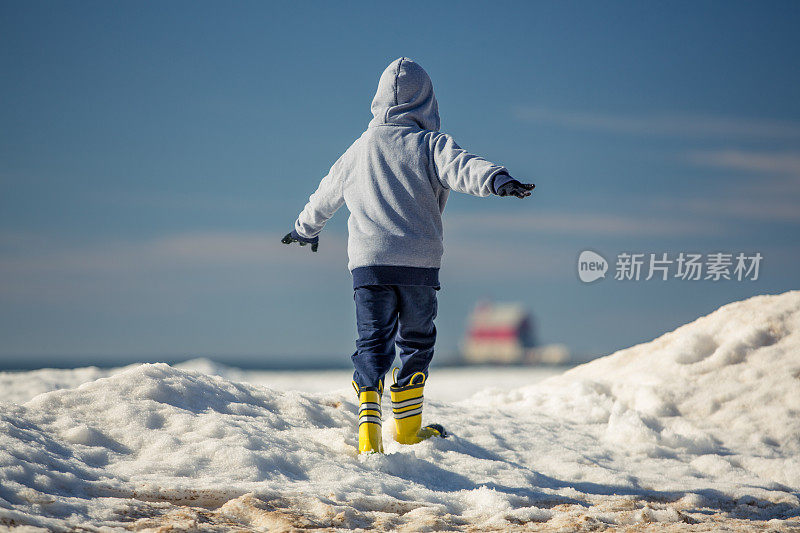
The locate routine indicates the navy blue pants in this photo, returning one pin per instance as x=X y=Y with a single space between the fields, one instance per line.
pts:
x=393 y=314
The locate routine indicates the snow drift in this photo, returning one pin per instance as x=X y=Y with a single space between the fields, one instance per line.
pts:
x=699 y=425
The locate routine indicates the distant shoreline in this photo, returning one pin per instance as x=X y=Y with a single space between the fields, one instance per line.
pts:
x=290 y=363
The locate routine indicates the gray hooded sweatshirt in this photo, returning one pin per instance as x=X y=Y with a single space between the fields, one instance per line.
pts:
x=395 y=180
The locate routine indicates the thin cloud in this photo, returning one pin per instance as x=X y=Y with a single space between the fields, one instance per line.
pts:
x=473 y=260
x=176 y=272
x=771 y=193
x=766 y=211
x=749 y=161
x=197 y=201
x=663 y=124
x=580 y=224
x=188 y=252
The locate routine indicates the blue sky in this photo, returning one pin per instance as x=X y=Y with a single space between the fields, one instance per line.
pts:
x=152 y=155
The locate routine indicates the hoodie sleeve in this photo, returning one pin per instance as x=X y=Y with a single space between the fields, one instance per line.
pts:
x=460 y=170
x=321 y=206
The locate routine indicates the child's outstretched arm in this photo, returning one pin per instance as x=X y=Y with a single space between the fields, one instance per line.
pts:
x=321 y=206
x=462 y=171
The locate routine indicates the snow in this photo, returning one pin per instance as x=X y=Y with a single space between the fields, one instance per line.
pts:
x=454 y=383
x=696 y=430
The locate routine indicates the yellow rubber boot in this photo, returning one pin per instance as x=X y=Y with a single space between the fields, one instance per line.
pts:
x=407 y=410
x=370 y=439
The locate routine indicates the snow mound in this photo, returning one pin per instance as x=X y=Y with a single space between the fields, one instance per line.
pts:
x=699 y=425
x=727 y=381
x=19 y=387
x=208 y=366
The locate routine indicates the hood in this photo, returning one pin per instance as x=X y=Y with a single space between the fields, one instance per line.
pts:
x=405 y=97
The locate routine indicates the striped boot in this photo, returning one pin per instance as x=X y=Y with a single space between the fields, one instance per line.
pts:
x=407 y=410
x=370 y=439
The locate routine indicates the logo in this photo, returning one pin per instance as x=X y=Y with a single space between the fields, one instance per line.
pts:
x=591 y=266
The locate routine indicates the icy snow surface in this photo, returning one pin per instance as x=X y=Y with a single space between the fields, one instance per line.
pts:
x=696 y=430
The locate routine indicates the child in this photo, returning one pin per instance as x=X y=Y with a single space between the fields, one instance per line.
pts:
x=395 y=179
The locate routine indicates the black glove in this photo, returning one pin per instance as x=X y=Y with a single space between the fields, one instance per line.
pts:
x=293 y=236
x=515 y=188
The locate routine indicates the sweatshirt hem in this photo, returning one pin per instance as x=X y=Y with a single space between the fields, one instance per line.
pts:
x=395 y=275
